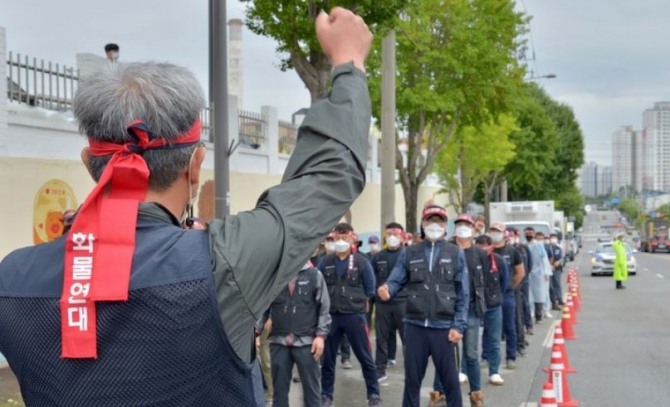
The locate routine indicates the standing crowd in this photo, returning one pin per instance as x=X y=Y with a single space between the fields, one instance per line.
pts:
x=432 y=291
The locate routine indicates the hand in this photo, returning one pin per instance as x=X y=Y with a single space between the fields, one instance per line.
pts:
x=383 y=292
x=454 y=336
x=344 y=37
x=258 y=344
x=268 y=325
x=317 y=347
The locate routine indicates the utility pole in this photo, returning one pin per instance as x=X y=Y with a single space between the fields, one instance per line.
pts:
x=218 y=104
x=388 y=130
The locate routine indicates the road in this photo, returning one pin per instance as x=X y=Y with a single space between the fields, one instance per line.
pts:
x=621 y=354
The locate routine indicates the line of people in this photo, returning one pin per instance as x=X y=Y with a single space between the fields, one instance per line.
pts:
x=435 y=293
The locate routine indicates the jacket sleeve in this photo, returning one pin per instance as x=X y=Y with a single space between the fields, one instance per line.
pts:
x=255 y=253
x=462 y=293
x=398 y=277
x=323 y=299
x=369 y=280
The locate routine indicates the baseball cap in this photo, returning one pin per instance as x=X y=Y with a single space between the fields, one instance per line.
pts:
x=498 y=226
x=465 y=218
x=373 y=239
x=434 y=210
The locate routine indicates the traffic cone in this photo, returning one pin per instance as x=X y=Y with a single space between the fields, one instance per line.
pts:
x=548 y=395
x=559 y=341
x=558 y=377
x=573 y=312
x=575 y=298
x=566 y=325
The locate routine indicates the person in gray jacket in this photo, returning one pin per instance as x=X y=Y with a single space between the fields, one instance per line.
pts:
x=168 y=314
x=300 y=321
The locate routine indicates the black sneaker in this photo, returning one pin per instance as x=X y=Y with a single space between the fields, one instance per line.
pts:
x=374 y=401
x=326 y=401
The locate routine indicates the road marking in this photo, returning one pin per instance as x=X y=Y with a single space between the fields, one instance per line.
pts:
x=550 y=335
x=660 y=275
x=528 y=404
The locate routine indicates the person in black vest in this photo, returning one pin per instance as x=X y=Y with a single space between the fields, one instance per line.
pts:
x=300 y=323
x=478 y=263
x=350 y=282
x=388 y=314
x=515 y=264
x=435 y=276
x=131 y=308
x=373 y=244
x=521 y=342
x=555 y=290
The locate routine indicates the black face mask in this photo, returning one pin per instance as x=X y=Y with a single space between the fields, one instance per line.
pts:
x=529 y=237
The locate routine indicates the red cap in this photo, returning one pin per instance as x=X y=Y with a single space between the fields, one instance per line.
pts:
x=498 y=226
x=434 y=210
x=465 y=218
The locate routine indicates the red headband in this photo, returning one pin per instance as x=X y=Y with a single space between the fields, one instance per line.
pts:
x=99 y=250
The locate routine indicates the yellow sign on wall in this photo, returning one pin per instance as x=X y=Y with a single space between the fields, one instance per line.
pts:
x=51 y=201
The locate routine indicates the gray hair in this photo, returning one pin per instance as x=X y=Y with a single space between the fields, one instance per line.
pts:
x=167 y=98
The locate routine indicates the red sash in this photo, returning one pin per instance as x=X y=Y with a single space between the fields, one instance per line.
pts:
x=100 y=246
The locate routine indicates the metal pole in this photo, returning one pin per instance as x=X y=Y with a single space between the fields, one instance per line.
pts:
x=388 y=147
x=218 y=96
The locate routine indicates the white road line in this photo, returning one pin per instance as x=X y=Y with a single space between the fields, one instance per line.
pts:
x=528 y=404
x=548 y=342
x=660 y=275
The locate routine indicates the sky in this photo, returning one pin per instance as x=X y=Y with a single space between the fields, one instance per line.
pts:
x=610 y=58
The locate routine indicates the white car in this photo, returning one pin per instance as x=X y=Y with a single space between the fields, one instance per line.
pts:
x=602 y=260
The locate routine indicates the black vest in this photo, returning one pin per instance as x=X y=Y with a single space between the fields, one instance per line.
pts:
x=165 y=346
x=297 y=314
x=347 y=295
x=493 y=292
x=384 y=264
x=476 y=259
x=431 y=295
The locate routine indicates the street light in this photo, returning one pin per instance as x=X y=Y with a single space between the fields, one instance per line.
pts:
x=547 y=76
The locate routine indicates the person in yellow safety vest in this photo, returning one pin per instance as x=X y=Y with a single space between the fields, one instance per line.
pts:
x=620 y=273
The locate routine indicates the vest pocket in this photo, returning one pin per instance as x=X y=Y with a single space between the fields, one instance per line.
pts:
x=446 y=304
x=416 y=304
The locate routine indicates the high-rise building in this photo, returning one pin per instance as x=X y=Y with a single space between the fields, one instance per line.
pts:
x=604 y=180
x=595 y=180
x=235 y=65
x=623 y=142
x=656 y=128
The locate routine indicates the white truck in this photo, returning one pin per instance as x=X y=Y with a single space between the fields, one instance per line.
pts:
x=522 y=214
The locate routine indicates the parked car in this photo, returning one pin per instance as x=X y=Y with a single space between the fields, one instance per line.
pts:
x=602 y=259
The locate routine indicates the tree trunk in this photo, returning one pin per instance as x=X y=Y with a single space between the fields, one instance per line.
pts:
x=411 y=195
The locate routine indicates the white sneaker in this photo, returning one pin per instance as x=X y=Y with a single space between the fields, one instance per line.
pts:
x=496 y=380
x=547 y=314
x=462 y=378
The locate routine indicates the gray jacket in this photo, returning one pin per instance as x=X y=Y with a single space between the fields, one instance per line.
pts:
x=257 y=252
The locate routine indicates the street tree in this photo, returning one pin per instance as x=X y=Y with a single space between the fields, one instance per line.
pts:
x=291 y=24
x=455 y=67
x=476 y=158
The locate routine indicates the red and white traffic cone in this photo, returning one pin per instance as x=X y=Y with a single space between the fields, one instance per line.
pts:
x=548 y=395
x=558 y=377
x=573 y=312
x=575 y=298
x=566 y=325
x=559 y=342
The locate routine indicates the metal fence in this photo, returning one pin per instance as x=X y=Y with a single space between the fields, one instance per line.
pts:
x=287 y=137
x=251 y=129
x=47 y=85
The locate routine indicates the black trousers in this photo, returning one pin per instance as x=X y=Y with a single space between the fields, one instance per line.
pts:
x=520 y=329
x=388 y=317
x=283 y=359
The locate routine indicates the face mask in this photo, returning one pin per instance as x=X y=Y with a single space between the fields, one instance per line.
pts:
x=529 y=237
x=554 y=241
x=463 y=232
x=329 y=246
x=434 y=231
x=374 y=247
x=342 y=246
x=393 y=241
x=496 y=237
x=540 y=242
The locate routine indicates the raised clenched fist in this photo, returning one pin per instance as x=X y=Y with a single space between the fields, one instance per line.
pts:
x=344 y=37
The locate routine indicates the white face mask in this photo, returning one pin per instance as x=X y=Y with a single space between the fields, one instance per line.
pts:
x=434 y=231
x=554 y=241
x=342 y=246
x=464 y=232
x=496 y=237
x=374 y=247
x=393 y=241
x=329 y=246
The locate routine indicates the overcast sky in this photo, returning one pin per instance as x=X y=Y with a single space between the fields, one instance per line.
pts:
x=610 y=58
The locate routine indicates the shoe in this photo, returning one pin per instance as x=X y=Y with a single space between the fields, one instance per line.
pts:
x=462 y=378
x=556 y=307
x=326 y=401
x=436 y=398
x=521 y=352
x=526 y=343
x=296 y=379
x=477 y=399
x=382 y=377
x=538 y=321
x=510 y=365
x=529 y=331
x=547 y=314
x=346 y=364
x=391 y=362
x=374 y=401
x=496 y=380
